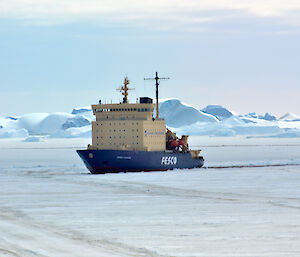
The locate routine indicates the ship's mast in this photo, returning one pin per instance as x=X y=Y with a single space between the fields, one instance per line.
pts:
x=124 y=89
x=157 y=79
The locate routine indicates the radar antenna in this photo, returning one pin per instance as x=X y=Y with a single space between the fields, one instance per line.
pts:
x=124 y=89
x=157 y=80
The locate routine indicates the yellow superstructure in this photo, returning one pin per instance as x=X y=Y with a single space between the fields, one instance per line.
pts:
x=127 y=126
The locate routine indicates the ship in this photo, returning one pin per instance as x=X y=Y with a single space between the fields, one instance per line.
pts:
x=126 y=137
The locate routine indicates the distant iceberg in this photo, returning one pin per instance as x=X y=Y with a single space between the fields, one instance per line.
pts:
x=290 y=117
x=81 y=110
x=218 y=111
x=178 y=114
x=13 y=133
x=267 y=116
x=213 y=120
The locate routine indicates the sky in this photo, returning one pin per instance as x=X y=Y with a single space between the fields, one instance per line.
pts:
x=57 y=55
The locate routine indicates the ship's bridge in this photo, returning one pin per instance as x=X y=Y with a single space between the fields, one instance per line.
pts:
x=123 y=111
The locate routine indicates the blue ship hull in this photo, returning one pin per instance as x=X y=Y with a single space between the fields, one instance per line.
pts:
x=114 y=161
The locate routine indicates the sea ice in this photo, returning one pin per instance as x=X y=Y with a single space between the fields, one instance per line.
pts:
x=51 y=206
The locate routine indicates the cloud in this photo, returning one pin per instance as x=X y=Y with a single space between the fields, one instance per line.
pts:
x=135 y=11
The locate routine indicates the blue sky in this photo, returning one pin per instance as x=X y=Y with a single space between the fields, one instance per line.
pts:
x=56 y=55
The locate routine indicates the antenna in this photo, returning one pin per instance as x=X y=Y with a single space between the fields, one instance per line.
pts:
x=125 y=89
x=157 y=79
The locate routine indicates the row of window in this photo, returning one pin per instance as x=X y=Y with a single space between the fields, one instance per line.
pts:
x=115 y=130
x=114 y=124
x=125 y=110
x=119 y=143
x=115 y=137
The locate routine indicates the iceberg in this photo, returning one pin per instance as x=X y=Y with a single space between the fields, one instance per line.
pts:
x=213 y=120
x=218 y=111
x=290 y=117
x=178 y=114
x=13 y=133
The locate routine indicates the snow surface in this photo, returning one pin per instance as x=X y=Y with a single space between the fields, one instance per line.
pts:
x=180 y=117
x=51 y=206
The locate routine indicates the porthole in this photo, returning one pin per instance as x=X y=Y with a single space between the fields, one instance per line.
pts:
x=91 y=156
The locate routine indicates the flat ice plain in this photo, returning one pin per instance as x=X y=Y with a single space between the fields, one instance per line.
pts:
x=51 y=206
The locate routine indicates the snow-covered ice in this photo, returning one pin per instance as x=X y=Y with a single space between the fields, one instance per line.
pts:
x=51 y=206
x=214 y=121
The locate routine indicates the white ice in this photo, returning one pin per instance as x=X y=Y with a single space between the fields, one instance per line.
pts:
x=51 y=206
x=214 y=121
